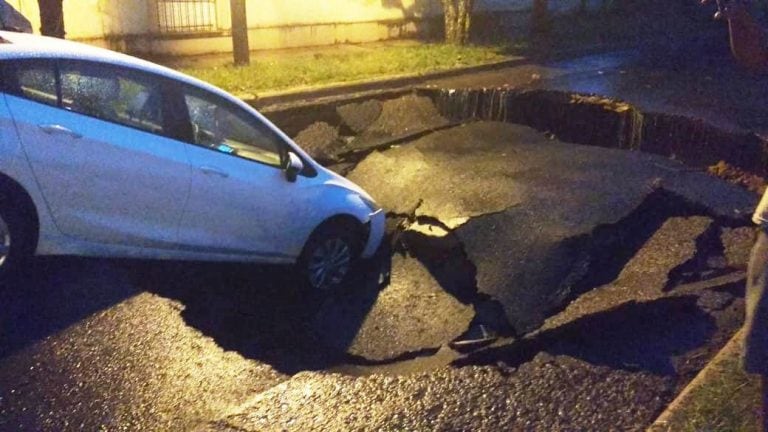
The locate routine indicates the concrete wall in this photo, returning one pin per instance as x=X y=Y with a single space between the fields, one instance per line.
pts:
x=132 y=25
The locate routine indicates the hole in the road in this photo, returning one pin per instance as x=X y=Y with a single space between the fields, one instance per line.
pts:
x=606 y=250
x=571 y=117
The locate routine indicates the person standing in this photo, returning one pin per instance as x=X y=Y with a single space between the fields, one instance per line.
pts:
x=52 y=18
x=756 y=322
x=750 y=49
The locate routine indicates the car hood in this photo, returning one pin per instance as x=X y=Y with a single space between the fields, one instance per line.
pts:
x=344 y=183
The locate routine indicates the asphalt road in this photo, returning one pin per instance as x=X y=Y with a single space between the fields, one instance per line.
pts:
x=509 y=218
x=662 y=290
x=613 y=277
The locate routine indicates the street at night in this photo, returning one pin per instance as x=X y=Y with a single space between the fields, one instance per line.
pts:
x=385 y=221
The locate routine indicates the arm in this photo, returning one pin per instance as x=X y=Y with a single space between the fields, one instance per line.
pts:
x=747 y=37
x=761 y=212
x=748 y=43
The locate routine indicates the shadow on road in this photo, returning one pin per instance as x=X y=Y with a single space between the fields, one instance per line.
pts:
x=55 y=293
x=258 y=311
x=634 y=337
x=262 y=313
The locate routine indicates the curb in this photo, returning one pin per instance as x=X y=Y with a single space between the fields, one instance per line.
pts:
x=377 y=84
x=661 y=423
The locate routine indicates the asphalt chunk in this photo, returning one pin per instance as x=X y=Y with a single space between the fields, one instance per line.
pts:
x=525 y=206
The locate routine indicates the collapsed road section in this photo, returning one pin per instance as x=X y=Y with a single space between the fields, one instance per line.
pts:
x=527 y=204
x=619 y=273
x=611 y=275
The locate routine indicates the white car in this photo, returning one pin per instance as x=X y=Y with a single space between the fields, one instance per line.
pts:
x=103 y=154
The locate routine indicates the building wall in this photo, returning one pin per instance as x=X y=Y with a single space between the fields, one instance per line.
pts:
x=135 y=26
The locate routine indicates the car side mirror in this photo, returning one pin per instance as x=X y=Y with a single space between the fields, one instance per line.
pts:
x=293 y=167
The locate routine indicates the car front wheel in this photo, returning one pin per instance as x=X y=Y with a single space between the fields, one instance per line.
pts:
x=328 y=257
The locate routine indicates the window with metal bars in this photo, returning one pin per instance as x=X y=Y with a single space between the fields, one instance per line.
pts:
x=186 y=16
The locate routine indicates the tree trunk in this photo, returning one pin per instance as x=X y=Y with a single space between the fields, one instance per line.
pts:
x=51 y=18
x=540 y=19
x=465 y=19
x=458 y=20
x=451 y=13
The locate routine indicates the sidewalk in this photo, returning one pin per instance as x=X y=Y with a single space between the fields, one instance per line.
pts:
x=721 y=397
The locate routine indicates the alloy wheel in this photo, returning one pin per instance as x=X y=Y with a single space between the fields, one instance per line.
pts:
x=329 y=264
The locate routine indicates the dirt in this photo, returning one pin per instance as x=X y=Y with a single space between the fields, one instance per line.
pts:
x=360 y=116
x=406 y=115
x=321 y=141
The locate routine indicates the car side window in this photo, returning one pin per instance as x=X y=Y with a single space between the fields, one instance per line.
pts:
x=114 y=94
x=222 y=126
x=34 y=80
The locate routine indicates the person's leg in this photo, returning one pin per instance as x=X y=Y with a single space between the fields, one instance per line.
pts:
x=764 y=404
x=764 y=412
x=756 y=322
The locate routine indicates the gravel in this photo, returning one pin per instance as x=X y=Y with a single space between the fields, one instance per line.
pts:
x=549 y=393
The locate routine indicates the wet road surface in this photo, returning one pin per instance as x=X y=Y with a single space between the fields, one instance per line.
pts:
x=89 y=344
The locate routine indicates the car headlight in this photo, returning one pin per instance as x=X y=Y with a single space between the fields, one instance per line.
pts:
x=370 y=203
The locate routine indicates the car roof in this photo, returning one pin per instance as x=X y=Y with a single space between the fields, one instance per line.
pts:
x=14 y=46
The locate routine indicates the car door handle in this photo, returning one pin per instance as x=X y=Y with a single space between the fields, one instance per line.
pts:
x=207 y=170
x=54 y=129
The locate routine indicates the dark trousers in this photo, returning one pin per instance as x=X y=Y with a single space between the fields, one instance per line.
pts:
x=51 y=18
x=756 y=323
x=764 y=412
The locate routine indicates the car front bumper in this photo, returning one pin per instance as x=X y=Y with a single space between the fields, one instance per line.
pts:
x=376 y=233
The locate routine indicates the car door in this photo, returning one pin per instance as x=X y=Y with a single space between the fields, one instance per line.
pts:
x=240 y=201
x=94 y=135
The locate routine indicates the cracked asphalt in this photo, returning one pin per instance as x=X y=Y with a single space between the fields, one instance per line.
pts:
x=529 y=203
x=619 y=274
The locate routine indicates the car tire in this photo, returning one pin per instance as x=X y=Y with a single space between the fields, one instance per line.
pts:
x=16 y=237
x=328 y=258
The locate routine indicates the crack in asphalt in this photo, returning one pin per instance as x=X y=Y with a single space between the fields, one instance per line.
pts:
x=347 y=161
x=608 y=248
x=360 y=360
x=604 y=252
x=437 y=246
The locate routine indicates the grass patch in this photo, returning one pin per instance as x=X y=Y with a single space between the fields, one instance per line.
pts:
x=290 y=71
x=728 y=401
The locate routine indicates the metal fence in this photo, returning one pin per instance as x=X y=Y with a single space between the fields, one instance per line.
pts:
x=186 y=16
